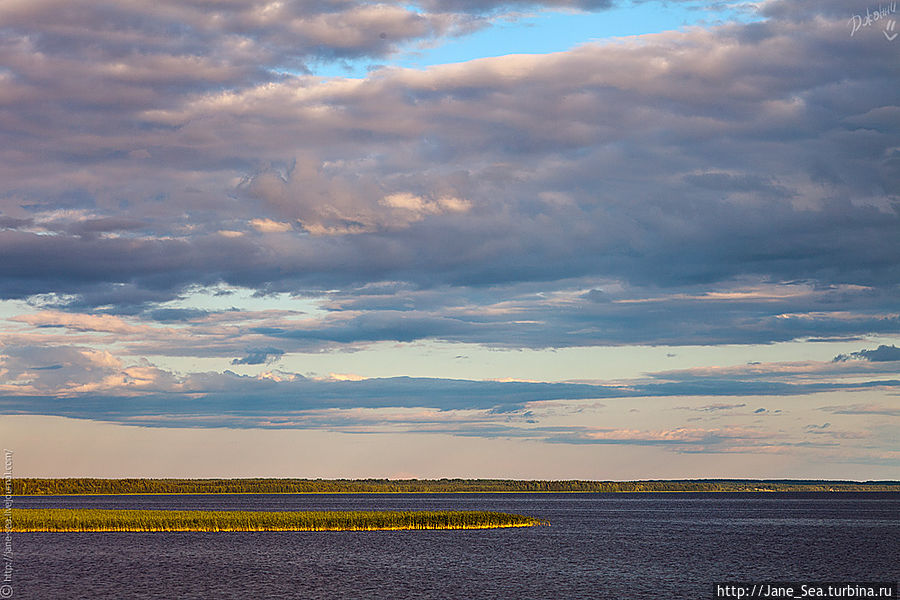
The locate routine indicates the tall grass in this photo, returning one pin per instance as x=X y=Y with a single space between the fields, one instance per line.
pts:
x=59 y=519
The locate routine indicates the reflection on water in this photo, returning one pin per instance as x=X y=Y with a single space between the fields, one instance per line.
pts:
x=598 y=546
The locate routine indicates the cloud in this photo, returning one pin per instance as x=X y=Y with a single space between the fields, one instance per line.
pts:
x=168 y=315
x=259 y=356
x=224 y=40
x=58 y=372
x=270 y=226
x=85 y=383
x=326 y=203
x=488 y=6
x=881 y=354
x=727 y=182
x=97 y=226
x=779 y=371
x=715 y=407
x=79 y=322
x=615 y=193
x=345 y=377
x=863 y=409
x=679 y=437
x=93 y=383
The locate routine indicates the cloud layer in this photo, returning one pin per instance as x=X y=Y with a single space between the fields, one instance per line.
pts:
x=682 y=170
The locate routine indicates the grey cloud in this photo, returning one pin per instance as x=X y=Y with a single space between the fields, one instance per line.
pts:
x=679 y=165
x=737 y=183
x=804 y=10
x=103 y=225
x=230 y=394
x=813 y=427
x=596 y=296
x=881 y=354
x=382 y=326
x=524 y=319
x=89 y=384
x=324 y=203
x=715 y=407
x=50 y=369
x=489 y=6
x=709 y=442
x=781 y=371
x=169 y=315
x=13 y=223
x=81 y=382
x=177 y=34
x=259 y=356
x=863 y=409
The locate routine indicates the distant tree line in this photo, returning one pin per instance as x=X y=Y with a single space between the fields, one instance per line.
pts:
x=77 y=486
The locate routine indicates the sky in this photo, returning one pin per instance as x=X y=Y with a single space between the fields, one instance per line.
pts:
x=595 y=239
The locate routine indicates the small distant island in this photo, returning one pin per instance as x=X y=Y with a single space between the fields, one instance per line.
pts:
x=100 y=520
x=96 y=486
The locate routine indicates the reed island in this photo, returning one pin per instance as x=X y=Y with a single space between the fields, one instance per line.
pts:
x=86 y=520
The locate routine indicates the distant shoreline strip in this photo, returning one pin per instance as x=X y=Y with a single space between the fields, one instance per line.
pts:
x=97 y=486
x=100 y=520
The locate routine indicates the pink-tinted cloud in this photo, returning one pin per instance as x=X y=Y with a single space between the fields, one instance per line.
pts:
x=81 y=322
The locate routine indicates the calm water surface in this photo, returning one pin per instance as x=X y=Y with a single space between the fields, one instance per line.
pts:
x=627 y=546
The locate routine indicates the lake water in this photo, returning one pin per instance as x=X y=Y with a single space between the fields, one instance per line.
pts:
x=627 y=546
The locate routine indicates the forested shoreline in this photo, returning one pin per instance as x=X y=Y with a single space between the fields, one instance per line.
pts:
x=82 y=486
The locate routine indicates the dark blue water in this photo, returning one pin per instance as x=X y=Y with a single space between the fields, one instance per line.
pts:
x=626 y=546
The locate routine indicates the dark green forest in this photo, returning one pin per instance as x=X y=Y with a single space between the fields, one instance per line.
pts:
x=34 y=486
